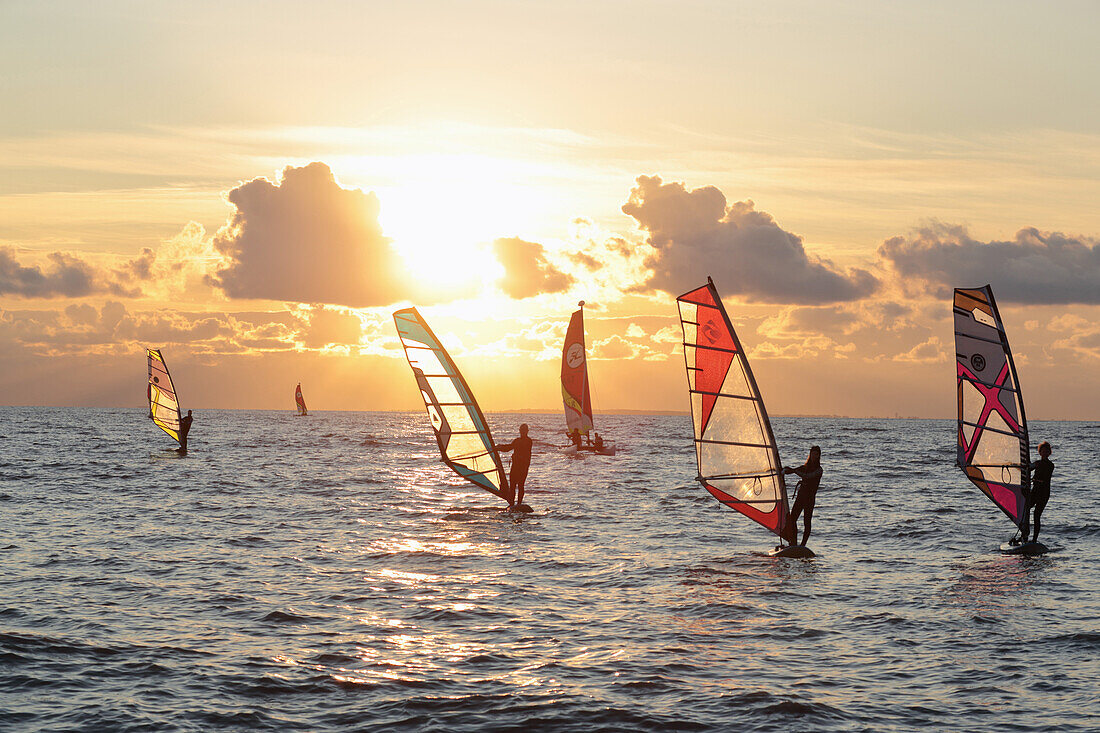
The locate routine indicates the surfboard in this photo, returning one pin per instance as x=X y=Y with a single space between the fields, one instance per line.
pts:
x=797 y=551
x=521 y=509
x=1024 y=548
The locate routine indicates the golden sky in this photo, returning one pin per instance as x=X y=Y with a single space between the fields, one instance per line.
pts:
x=255 y=187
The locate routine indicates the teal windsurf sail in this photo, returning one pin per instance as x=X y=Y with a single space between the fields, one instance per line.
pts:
x=461 y=430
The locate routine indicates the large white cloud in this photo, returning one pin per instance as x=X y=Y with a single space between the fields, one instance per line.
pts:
x=1035 y=267
x=306 y=239
x=695 y=234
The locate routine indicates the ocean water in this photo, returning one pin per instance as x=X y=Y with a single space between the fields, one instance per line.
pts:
x=328 y=573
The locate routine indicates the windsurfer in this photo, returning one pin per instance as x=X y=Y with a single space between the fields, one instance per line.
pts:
x=185 y=428
x=521 y=462
x=810 y=474
x=1041 y=471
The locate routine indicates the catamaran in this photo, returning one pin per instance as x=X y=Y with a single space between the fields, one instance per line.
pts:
x=574 y=386
x=164 y=407
x=465 y=443
x=993 y=448
x=735 y=449
x=300 y=401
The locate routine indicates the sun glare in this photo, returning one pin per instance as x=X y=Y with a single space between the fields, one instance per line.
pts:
x=445 y=210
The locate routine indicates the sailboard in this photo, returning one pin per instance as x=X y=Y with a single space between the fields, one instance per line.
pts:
x=992 y=445
x=465 y=443
x=164 y=407
x=735 y=448
x=575 y=394
x=300 y=401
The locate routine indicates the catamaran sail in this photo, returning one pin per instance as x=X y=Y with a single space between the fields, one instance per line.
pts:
x=574 y=376
x=164 y=408
x=734 y=446
x=460 y=427
x=992 y=428
x=299 y=400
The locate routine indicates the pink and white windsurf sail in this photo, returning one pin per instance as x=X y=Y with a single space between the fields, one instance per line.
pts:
x=734 y=446
x=992 y=428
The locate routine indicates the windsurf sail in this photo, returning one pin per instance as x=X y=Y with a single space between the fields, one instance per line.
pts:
x=164 y=408
x=993 y=445
x=574 y=376
x=460 y=427
x=735 y=449
x=299 y=400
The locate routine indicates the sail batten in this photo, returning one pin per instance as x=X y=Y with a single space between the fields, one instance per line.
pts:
x=164 y=408
x=735 y=448
x=575 y=394
x=461 y=431
x=992 y=446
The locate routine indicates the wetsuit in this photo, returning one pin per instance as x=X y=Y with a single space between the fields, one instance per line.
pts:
x=1041 y=471
x=185 y=428
x=521 y=462
x=807 y=496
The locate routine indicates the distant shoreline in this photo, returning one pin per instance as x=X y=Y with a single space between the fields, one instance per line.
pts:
x=680 y=413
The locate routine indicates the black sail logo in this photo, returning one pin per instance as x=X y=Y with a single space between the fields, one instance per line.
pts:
x=978 y=362
x=711 y=332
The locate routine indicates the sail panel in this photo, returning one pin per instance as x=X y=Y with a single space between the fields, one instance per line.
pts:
x=461 y=431
x=164 y=407
x=575 y=394
x=736 y=453
x=993 y=448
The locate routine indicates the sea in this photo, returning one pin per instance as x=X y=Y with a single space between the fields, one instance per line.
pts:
x=328 y=573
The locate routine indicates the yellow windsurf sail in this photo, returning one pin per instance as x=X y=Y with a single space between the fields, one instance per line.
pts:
x=164 y=408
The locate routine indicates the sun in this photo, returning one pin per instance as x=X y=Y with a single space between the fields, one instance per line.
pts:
x=444 y=211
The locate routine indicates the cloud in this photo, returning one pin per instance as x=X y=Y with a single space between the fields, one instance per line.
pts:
x=694 y=234
x=308 y=240
x=927 y=352
x=1035 y=267
x=527 y=272
x=68 y=276
x=329 y=326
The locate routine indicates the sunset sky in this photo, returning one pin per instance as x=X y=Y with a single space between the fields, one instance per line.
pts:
x=255 y=187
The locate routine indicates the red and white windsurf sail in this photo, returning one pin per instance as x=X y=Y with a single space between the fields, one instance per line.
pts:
x=574 y=376
x=299 y=400
x=992 y=428
x=736 y=452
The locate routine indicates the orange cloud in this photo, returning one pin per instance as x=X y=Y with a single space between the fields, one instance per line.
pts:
x=527 y=272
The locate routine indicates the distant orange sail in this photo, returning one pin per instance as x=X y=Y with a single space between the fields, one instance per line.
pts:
x=299 y=400
x=574 y=376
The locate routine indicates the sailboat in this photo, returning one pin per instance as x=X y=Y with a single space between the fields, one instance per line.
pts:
x=465 y=443
x=164 y=407
x=735 y=449
x=574 y=385
x=993 y=448
x=300 y=401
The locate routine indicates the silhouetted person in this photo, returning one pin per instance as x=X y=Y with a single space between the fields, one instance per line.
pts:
x=598 y=442
x=185 y=428
x=521 y=462
x=575 y=437
x=1041 y=471
x=810 y=473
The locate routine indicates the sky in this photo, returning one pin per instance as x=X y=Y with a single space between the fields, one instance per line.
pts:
x=255 y=187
